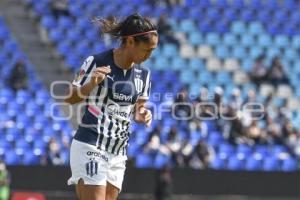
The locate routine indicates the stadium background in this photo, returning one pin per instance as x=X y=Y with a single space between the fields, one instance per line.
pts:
x=213 y=45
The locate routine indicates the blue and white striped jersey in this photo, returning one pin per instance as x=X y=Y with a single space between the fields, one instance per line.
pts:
x=106 y=120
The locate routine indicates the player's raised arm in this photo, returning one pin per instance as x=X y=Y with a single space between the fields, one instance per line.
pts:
x=78 y=93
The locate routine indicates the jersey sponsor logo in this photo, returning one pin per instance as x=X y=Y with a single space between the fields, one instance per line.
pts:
x=110 y=77
x=97 y=154
x=138 y=84
x=113 y=109
x=91 y=167
x=80 y=75
x=122 y=97
x=138 y=70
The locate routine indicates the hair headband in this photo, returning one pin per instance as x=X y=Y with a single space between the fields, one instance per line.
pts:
x=142 y=33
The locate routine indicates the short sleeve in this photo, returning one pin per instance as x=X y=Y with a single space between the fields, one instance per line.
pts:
x=147 y=86
x=83 y=76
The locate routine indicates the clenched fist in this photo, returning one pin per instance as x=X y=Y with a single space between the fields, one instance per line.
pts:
x=98 y=74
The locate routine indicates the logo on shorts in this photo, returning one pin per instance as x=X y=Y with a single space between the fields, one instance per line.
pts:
x=91 y=167
x=97 y=154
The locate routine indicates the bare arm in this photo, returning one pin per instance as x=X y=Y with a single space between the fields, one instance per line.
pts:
x=77 y=94
x=142 y=114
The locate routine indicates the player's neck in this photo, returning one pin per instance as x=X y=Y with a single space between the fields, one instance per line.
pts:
x=121 y=59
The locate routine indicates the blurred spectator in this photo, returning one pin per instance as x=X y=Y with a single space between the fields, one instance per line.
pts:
x=182 y=104
x=172 y=3
x=274 y=135
x=235 y=99
x=184 y=154
x=172 y=145
x=163 y=188
x=153 y=143
x=18 y=77
x=53 y=153
x=201 y=156
x=255 y=134
x=276 y=74
x=59 y=8
x=234 y=130
x=259 y=71
x=4 y=182
x=166 y=35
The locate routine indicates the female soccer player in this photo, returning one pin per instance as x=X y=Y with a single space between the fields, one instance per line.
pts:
x=114 y=85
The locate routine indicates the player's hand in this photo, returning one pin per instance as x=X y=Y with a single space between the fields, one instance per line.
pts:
x=98 y=74
x=143 y=115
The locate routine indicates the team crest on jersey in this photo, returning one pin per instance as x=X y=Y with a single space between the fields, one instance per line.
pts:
x=80 y=75
x=138 y=84
x=91 y=167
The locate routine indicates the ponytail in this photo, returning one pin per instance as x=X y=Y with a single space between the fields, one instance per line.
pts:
x=136 y=26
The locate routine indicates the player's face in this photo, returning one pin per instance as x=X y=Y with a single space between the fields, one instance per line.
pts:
x=142 y=50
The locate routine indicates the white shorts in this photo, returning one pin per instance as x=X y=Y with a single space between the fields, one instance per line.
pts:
x=94 y=166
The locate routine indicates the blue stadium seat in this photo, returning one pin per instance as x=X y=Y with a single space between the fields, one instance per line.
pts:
x=253 y=164
x=223 y=4
x=161 y=63
x=289 y=165
x=178 y=63
x=48 y=22
x=161 y=160
x=256 y=28
x=255 y=4
x=205 y=77
x=143 y=161
x=289 y=5
x=64 y=48
x=247 y=40
x=247 y=15
x=205 y=26
x=244 y=149
x=179 y=13
x=235 y=164
x=213 y=39
x=30 y=158
x=282 y=41
x=56 y=35
x=295 y=17
x=264 y=16
x=196 y=64
x=274 y=28
x=76 y=10
x=238 y=28
x=271 y=164
x=273 y=52
x=187 y=26
x=213 y=14
x=223 y=78
x=281 y=16
x=255 y=52
x=169 y=50
x=11 y=158
x=214 y=139
x=226 y=150
x=290 y=30
x=22 y=96
x=230 y=40
x=237 y=4
x=91 y=35
x=195 y=38
x=195 y=137
x=73 y=35
x=239 y=52
x=217 y=164
x=222 y=51
x=65 y=23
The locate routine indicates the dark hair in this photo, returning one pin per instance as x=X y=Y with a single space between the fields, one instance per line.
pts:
x=131 y=25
